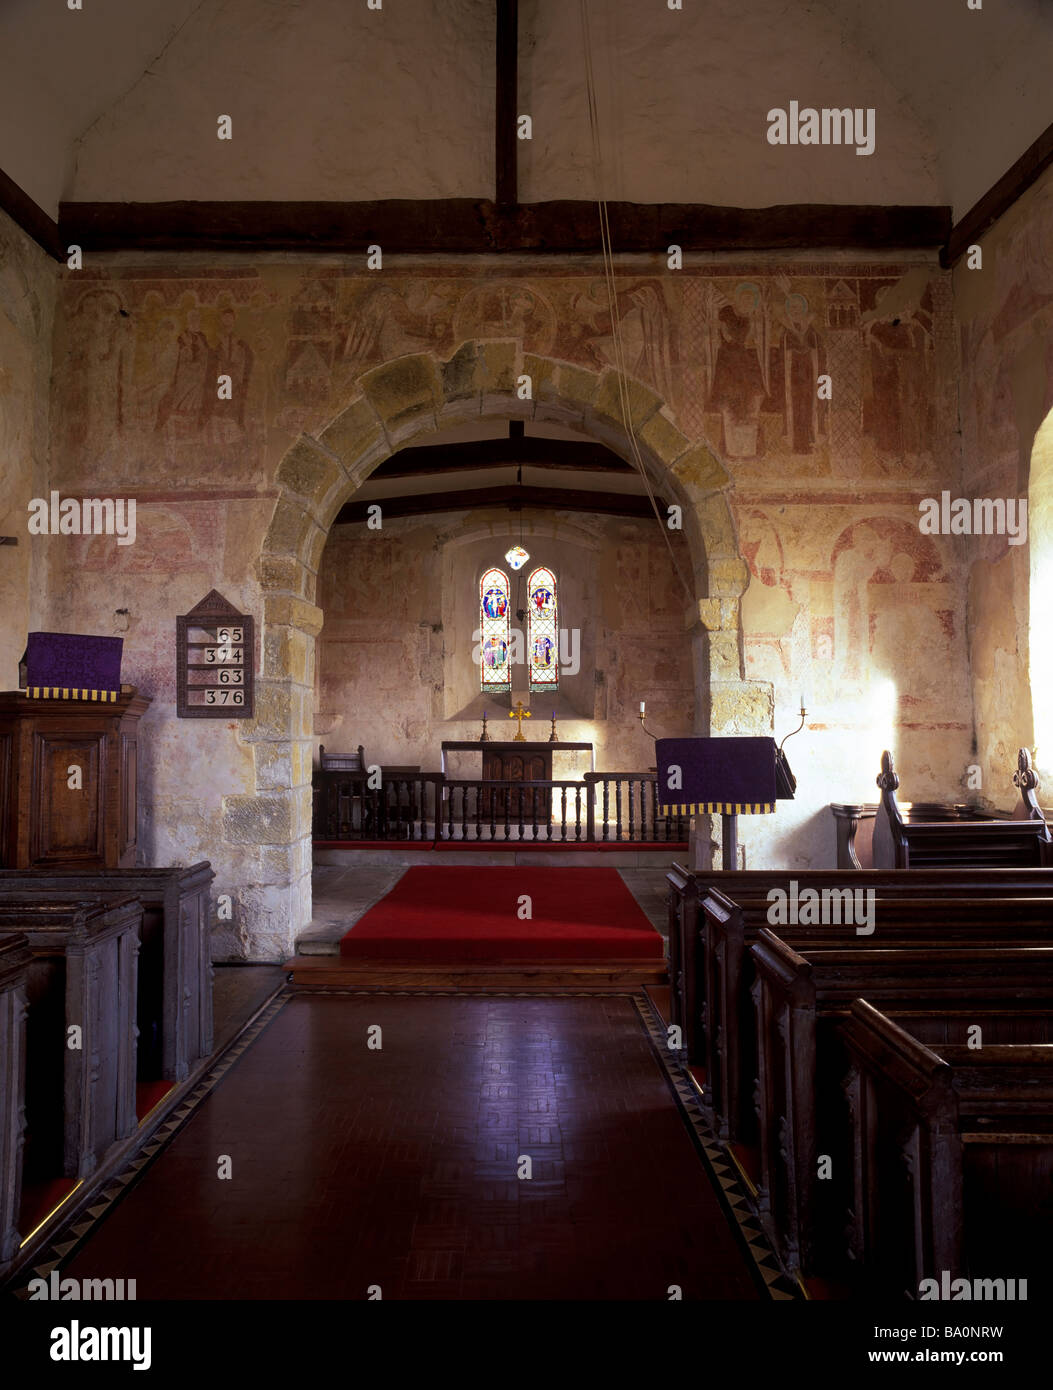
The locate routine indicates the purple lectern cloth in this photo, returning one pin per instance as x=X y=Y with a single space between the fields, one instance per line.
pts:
x=726 y=776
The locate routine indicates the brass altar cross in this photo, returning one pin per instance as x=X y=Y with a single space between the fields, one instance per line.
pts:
x=519 y=713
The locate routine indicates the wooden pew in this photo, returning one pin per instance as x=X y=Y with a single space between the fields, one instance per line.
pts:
x=79 y=1100
x=952 y=1158
x=15 y=961
x=687 y=928
x=958 y=916
x=900 y=843
x=174 y=1013
x=800 y=1000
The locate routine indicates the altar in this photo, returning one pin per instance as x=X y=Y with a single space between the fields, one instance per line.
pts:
x=512 y=760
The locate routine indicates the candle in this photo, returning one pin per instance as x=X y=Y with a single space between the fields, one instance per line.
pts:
x=643 y=706
x=803 y=705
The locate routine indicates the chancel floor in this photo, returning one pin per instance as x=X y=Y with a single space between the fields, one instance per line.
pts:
x=342 y=895
x=402 y=1166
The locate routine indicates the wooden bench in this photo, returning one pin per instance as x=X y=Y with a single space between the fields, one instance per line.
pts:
x=952 y=1158
x=15 y=961
x=800 y=999
x=174 y=1010
x=958 y=916
x=79 y=1100
x=687 y=927
x=900 y=843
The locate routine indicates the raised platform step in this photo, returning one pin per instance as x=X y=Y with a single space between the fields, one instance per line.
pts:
x=349 y=853
x=343 y=972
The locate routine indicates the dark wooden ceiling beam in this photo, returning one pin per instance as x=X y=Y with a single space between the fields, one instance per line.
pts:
x=33 y=220
x=512 y=498
x=478 y=226
x=1035 y=160
x=524 y=451
x=506 y=140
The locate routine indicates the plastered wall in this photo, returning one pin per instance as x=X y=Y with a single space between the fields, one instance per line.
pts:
x=28 y=283
x=1005 y=309
x=803 y=509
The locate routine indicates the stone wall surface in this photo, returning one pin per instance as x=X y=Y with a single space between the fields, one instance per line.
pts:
x=28 y=283
x=1005 y=309
x=395 y=668
x=800 y=513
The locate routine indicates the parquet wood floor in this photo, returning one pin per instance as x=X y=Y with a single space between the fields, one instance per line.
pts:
x=397 y=1167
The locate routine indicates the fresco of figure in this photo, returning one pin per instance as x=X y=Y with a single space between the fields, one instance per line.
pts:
x=231 y=357
x=643 y=347
x=739 y=368
x=184 y=405
x=801 y=369
x=100 y=361
x=897 y=410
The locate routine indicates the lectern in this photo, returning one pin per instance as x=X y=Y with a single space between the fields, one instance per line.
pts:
x=728 y=777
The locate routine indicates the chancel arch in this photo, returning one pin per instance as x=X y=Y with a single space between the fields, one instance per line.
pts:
x=423 y=394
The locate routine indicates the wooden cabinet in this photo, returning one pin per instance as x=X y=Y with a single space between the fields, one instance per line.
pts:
x=68 y=782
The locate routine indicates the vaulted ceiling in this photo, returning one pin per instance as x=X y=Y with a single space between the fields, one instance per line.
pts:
x=332 y=100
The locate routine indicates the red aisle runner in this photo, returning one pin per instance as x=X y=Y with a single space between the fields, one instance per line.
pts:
x=463 y=913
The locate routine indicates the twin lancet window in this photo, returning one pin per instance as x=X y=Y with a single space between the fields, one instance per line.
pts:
x=500 y=648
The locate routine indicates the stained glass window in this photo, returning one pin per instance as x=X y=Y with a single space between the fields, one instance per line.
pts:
x=542 y=631
x=493 y=631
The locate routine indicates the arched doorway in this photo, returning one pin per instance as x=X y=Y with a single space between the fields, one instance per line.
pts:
x=420 y=394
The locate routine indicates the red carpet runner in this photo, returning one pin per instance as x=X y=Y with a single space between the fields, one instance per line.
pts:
x=460 y=913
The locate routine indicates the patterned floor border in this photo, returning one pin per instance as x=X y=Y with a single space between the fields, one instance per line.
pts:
x=724 y=1175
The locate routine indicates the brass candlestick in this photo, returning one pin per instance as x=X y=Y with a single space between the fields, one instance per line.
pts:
x=484 y=737
x=552 y=736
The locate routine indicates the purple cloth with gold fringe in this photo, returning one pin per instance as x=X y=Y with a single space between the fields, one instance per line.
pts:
x=719 y=776
x=71 y=666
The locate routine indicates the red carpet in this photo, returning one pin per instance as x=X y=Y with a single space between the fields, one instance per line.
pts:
x=455 y=913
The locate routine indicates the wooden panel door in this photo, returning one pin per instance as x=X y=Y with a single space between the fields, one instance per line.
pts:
x=68 y=821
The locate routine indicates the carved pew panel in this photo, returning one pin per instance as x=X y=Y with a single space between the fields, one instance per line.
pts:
x=903 y=843
x=174 y=1011
x=798 y=1002
x=79 y=1100
x=687 y=890
x=15 y=962
x=952 y=1157
x=953 y=919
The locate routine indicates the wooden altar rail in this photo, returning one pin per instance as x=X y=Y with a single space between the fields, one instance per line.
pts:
x=618 y=807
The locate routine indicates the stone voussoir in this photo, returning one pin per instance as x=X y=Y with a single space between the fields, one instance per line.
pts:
x=405 y=390
x=617 y=394
x=312 y=473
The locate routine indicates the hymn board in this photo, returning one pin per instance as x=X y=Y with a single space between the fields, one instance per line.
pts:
x=214 y=655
